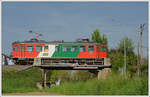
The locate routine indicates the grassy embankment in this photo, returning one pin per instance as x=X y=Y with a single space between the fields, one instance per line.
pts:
x=25 y=81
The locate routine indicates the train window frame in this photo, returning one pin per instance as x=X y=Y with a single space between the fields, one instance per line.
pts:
x=21 y=48
x=65 y=49
x=84 y=49
x=103 y=49
x=28 y=50
x=74 y=49
x=90 y=48
x=16 y=49
x=46 y=48
x=99 y=48
x=57 y=48
x=38 y=50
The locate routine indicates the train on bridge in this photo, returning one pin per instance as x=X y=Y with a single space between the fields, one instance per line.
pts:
x=80 y=52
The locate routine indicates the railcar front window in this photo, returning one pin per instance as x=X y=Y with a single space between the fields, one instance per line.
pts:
x=29 y=48
x=65 y=49
x=39 y=48
x=91 y=49
x=82 y=48
x=103 y=49
x=16 y=48
x=74 y=48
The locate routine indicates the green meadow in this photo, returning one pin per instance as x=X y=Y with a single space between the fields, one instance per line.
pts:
x=25 y=81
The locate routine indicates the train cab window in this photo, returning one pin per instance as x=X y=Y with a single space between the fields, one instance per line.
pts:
x=103 y=49
x=65 y=49
x=29 y=48
x=74 y=48
x=82 y=48
x=21 y=48
x=91 y=48
x=16 y=48
x=98 y=49
x=57 y=48
x=38 y=48
x=45 y=48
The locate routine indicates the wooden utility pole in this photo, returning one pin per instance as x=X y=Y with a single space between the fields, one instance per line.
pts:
x=140 y=52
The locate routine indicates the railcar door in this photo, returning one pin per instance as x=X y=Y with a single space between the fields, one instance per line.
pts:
x=99 y=51
x=104 y=51
x=45 y=53
x=22 y=50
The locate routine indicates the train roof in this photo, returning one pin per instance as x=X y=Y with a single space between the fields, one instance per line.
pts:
x=54 y=42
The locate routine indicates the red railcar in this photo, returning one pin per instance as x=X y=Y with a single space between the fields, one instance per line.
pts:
x=58 y=52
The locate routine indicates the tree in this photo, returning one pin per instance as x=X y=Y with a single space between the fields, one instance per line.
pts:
x=129 y=45
x=117 y=57
x=104 y=39
x=96 y=37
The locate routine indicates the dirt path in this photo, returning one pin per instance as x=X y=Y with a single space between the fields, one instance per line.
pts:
x=15 y=67
x=30 y=94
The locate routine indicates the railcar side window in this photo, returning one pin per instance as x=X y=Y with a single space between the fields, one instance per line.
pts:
x=21 y=48
x=46 y=49
x=38 y=48
x=29 y=48
x=16 y=48
x=91 y=48
x=65 y=49
x=74 y=48
x=103 y=49
x=57 y=48
x=82 y=48
x=98 y=49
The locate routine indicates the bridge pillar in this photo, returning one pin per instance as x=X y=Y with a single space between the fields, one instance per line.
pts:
x=99 y=74
x=44 y=77
x=106 y=71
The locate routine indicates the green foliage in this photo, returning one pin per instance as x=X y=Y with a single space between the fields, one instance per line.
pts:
x=63 y=75
x=131 y=64
x=129 y=45
x=25 y=81
x=114 y=85
x=96 y=37
x=116 y=59
x=82 y=76
x=144 y=69
x=104 y=39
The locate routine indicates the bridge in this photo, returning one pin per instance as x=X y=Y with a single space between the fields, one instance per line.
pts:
x=99 y=70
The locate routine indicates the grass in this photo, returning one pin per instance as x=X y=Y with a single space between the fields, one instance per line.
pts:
x=25 y=81
x=110 y=86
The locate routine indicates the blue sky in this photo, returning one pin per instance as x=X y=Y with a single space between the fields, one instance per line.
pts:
x=71 y=20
